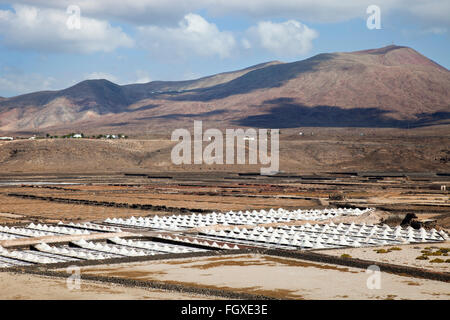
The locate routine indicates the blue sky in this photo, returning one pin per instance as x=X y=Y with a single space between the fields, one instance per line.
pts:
x=140 y=41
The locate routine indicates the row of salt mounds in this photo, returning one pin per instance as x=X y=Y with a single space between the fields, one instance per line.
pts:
x=58 y=257
x=155 y=246
x=111 y=249
x=26 y=256
x=328 y=236
x=182 y=222
x=57 y=229
x=7 y=236
x=5 y=265
x=197 y=242
x=72 y=253
x=25 y=232
x=9 y=262
x=92 y=226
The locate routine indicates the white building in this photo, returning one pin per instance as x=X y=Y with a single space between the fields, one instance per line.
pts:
x=7 y=138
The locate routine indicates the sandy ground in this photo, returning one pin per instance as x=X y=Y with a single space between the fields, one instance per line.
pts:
x=407 y=256
x=39 y=210
x=26 y=286
x=277 y=277
x=176 y=199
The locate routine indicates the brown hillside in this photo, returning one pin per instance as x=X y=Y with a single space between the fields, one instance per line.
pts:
x=388 y=87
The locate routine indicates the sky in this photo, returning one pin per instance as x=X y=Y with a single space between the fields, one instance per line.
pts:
x=54 y=44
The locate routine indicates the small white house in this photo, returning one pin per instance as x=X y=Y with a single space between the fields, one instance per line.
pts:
x=7 y=138
x=77 y=135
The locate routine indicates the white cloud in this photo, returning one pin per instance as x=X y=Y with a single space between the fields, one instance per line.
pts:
x=193 y=35
x=168 y=12
x=14 y=82
x=142 y=77
x=46 y=30
x=435 y=30
x=288 y=38
x=431 y=11
x=246 y=44
x=139 y=12
x=101 y=75
x=189 y=75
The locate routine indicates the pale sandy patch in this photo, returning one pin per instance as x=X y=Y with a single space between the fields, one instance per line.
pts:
x=27 y=286
x=405 y=257
x=276 y=277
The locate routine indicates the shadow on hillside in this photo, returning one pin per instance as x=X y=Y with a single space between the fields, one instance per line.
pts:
x=287 y=114
x=187 y=115
x=269 y=77
x=146 y=107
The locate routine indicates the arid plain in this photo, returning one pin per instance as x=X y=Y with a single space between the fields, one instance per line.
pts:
x=394 y=171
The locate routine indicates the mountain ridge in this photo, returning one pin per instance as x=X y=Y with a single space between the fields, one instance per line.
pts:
x=393 y=82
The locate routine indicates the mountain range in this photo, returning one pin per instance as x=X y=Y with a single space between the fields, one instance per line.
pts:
x=393 y=86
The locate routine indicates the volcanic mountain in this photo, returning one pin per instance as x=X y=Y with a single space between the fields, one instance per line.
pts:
x=388 y=87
